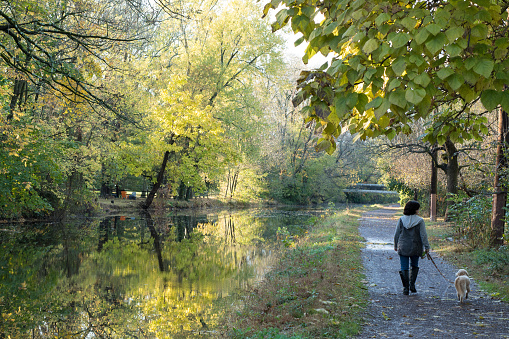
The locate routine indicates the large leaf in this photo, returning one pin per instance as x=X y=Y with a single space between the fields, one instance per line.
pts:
x=454 y=33
x=370 y=46
x=409 y=23
x=415 y=96
x=484 y=67
x=455 y=81
x=422 y=79
x=421 y=36
x=362 y=101
x=437 y=43
x=382 y=18
x=433 y=29
x=444 y=73
x=400 y=40
x=490 y=99
x=399 y=65
x=374 y=103
x=453 y=50
x=397 y=98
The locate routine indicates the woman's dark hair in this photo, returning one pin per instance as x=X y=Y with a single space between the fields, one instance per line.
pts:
x=411 y=207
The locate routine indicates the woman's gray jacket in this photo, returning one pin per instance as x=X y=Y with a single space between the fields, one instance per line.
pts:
x=410 y=237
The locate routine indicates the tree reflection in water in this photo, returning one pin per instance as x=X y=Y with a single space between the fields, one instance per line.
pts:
x=125 y=277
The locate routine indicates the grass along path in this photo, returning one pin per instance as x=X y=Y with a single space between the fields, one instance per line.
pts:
x=315 y=290
x=489 y=267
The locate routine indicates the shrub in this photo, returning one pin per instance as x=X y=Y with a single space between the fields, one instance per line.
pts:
x=471 y=220
x=495 y=261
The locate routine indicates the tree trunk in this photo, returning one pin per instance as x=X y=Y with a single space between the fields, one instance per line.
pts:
x=156 y=186
x=500 y=190
x=434 y=184
x=157 y=240
x=452 y=172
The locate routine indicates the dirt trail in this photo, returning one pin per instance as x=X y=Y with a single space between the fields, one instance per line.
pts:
x=432 y=312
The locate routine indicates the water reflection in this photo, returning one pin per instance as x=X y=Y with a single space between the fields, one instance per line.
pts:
x=133 y=276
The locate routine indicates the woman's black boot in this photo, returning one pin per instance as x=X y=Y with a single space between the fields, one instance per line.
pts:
x=405 y=279
x=413 y=276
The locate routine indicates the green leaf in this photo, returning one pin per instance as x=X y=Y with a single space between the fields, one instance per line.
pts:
x=409 y=23
x=416 y=59
x=282 y=16
x=391 y=134
x=505 y=100
x=437 y=43
x=384 y=121
x=484 y=67
x=340 y=105
x=393 y=84
x=399 y=40
x=422 y=79
x=333 y=118
x=362 y=101
x=376 y=102
x=397 y=98
x=321 y=110
x=466 y=93
x=383 y=108
x=421 y=36
x=370 y=45
x=383 y=17
x=454 y=33
x=502 y=43
x=299 y=41
x=322 y=145
x=330 y=128
x=330 y=27
x=483 y=3
x=351 y=100
x=479 y=31
x=455 y=81
x=414 y=96
x=334 y=67
x=490 y=99
x=453 y=50
x=352 y=76
x=444 y=73
x=483 y=15
x=424 y=106
x=399 y=65
x=433 y=29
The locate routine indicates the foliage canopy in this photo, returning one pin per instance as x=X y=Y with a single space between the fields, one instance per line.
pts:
x=394 y=62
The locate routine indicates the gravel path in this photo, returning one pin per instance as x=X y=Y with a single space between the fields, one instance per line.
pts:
x=432 y=312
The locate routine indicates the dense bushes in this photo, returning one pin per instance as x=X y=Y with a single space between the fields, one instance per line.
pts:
x=471 y=220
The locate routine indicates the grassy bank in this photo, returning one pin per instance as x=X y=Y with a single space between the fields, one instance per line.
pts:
x=489 y=268
x=314 y=291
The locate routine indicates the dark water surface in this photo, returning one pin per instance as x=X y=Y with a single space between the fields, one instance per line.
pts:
x=135 y=276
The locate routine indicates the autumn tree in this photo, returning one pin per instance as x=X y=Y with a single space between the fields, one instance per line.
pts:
x=396 y=62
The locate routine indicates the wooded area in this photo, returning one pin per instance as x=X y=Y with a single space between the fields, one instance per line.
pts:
x=186 y=97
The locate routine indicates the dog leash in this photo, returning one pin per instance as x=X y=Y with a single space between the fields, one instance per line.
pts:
x=433 y=261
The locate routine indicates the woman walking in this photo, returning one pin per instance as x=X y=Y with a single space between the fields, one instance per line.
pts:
x=411 y=242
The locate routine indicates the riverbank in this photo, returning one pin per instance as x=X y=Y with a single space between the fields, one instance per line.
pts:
x=116 y=205
x=316 y=289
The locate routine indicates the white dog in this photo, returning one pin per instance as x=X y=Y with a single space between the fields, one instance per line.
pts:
x=462 y=284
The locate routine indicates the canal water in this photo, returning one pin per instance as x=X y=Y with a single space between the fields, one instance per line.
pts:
x=136 y=276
